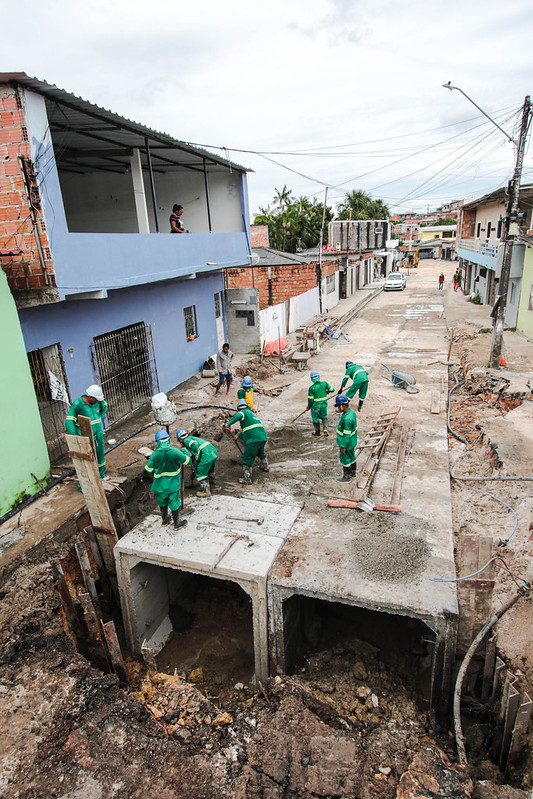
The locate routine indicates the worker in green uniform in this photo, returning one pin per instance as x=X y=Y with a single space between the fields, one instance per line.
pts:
x=93 y=405
x=164 y=465
x=204 y=460
x=317 y=403
x=246 y=392
x=359 y=377
x=346 y=437
x=254 y=438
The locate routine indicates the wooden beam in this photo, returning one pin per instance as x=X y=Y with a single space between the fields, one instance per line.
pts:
x=113 y=646
x=88 y=578
x=400 y=463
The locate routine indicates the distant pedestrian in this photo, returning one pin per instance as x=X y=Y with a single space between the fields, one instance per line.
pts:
x=346 y=438
x=441 y=281
x=93 y=405
x=456 y=281
x=225 y=375
x=317 y=403
x=176 y=225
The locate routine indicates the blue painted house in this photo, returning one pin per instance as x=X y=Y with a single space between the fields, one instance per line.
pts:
x=105 y=293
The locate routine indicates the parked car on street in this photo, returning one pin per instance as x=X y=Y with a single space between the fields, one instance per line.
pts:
x=395 y=282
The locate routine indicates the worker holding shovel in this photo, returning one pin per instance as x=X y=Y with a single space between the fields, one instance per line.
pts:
x=317 y=403
x=346 y=438
x=164 y=465
x=254 y=438
x=204 y=459
x=359 y=377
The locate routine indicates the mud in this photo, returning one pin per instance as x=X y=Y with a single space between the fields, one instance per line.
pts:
x=390 y=550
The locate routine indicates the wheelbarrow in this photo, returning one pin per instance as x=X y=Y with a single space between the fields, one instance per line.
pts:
x=401 y=380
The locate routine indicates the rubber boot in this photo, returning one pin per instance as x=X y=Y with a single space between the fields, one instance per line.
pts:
x=264 y=464
x=360 y=405
x=317 y=432
x=206 y=491
x=346 y=475
x=325 y=425
x=246 y=479
x=353 y=469
x=166 y=517
x=211 y=476
x=178 y=522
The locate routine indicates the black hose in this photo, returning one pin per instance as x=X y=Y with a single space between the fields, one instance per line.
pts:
x=69 y=472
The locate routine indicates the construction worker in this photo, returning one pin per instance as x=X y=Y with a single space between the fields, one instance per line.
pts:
x=359 y=377
x=204 y=460
x=246 y=392
x=254 y=438
x=346 y=437
x=164 y=464
x=317 y=403
x=93 y=405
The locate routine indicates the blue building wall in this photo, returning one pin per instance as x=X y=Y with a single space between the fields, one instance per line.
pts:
x=74 y=324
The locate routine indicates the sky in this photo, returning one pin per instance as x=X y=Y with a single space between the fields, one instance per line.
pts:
x=337 y=94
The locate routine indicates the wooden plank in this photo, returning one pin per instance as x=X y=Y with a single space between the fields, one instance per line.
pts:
x=435 y=402
x=520 y=728
x=400 y=463
x=86 y=430
x=91 y=619
x=64 y=594
x=95 y=549
x=488 y=669
x=87 y=573
x=348 y=503
x=509 y=717
x=95 y=497
x=113 y=646
x=148 y=655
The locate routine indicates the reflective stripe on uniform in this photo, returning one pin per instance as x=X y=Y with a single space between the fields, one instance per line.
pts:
x=166 y=474
x=251 y=427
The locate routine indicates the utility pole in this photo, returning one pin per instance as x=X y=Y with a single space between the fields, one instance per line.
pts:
x=319 y=265
x=511 y=230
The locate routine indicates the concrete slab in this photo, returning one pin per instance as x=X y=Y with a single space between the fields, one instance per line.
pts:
x=225 y=538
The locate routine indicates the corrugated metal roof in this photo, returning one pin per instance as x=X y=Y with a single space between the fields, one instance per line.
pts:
x=270 y=257
x=100 y=138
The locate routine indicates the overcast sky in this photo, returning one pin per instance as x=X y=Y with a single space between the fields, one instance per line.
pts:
x=347 y=93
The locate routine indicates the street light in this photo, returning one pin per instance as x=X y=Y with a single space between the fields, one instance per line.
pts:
x=511 y=226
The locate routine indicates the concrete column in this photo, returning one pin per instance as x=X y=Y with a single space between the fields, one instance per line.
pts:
x=138 y=191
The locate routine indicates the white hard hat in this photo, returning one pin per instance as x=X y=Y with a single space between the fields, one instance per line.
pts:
x=95 y=391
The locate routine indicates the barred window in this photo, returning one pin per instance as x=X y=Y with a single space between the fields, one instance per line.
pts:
x=330 y=283
x=191 y=330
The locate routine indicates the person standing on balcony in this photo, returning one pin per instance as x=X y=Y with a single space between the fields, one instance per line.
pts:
x=176 y=225
x=93 y=405
x=225 y=375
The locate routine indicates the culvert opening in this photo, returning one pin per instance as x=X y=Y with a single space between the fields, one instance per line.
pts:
x=196 y=624
x=322 y=638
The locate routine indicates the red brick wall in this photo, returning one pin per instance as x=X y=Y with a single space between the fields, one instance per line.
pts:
x=467 y=224
x=259 y=235
x=287 y=281
x=16 y=227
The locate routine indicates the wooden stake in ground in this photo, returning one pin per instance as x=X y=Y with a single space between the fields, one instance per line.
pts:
x=84 y=460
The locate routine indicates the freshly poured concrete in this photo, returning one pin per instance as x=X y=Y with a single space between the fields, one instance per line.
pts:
x=215 y=544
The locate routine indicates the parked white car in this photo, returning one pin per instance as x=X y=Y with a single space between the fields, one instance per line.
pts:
x=395 y=282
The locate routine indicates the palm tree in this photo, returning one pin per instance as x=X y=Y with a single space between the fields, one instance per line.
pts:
x=361 y=206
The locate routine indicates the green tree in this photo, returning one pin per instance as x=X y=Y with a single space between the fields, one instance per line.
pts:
x=361 y=206
x=293 y=224
x=446 y=220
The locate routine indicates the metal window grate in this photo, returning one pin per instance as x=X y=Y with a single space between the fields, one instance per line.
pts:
x=50 y=382
x=125 y=367
x=190 y=321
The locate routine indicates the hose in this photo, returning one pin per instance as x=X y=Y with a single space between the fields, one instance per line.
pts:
x=459 y=737
x=69 y=472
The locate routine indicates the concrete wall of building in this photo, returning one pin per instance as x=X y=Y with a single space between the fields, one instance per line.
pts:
x=285 y=281
x=23 y=443
x=524 y=321
x=243 y=323
x=74 y=324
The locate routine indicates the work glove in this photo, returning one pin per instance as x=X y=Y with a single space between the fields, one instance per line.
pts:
x=360 y=405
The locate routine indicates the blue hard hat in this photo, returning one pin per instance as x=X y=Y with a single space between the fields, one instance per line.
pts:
x=341 y=399
x=242 y=404
x=315 y=376
x=348 y=363
x=181 y=433
x=247 y=381
x=161 y=434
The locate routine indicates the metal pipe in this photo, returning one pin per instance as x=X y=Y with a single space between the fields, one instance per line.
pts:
x=207 y=196
x=152 y=184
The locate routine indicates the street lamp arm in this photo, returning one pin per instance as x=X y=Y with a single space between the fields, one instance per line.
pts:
x=450 y=87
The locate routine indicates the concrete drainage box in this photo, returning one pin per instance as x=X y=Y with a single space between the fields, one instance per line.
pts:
x=227 y=538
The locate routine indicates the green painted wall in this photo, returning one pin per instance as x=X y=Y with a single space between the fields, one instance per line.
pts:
x=524 y=322
x=21 y=434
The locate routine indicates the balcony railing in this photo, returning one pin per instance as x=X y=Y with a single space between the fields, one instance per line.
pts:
x=481 y=247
